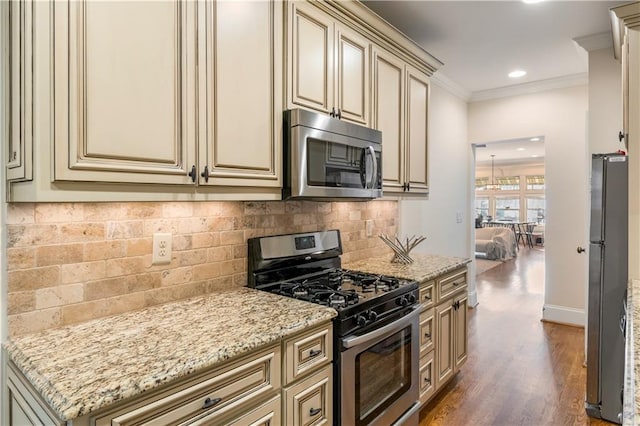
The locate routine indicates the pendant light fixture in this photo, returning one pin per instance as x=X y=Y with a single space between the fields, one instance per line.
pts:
x=493 y=186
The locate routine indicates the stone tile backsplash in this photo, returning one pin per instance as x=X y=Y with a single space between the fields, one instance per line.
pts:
x=71 y=262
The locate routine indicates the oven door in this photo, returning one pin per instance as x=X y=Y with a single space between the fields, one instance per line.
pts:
x=379 y=373
x=326 y=164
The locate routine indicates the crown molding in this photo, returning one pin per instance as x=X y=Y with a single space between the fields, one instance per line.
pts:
x=532 y=87
x=441 y=80
x=595 y=41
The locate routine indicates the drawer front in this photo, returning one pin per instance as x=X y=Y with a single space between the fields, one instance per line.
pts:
x=307 y=352
x=309 y=401
x=427 y=382
x=210 y=397
x=268 y=414
x=426 y=294
x=426 y=331
x=450 y=284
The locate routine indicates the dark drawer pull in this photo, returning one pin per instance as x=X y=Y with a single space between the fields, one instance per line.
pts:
x=427 y=335
x=210 y=402
x=314 y=353
x=314 y=411
x=427 y=380
x=427 y=297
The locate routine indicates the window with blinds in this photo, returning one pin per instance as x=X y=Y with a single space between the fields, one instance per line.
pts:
x=535 y=182
x=508 y=183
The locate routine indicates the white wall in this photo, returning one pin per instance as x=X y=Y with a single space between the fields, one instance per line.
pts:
x=559 y=116
x=605 y=101
x=449 y=184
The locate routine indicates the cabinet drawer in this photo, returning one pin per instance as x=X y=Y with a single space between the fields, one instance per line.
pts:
x=426 y=331
x=268 y=414
x=426 y=294
x=450 y=284
x=210 y=396
x=306 y=352
x=427 y=382
x=309 y=401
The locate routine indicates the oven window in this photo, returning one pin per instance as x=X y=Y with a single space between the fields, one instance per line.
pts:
x=331 y=164
x=383 y=373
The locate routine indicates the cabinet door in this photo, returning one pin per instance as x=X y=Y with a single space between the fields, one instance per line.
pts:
x=19 y=86
x=310 y=58
x=309 y=401
x=417 y=130
x=460 y=331
x=388 y=116
x=352 y=68
x=124 y=91
x=241 y=100
x=444 y=349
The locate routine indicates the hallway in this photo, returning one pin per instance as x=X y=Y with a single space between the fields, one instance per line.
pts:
x=520 y=371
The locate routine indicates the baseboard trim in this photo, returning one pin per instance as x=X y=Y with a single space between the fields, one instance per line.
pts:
x=473 y=299
x=563 y=315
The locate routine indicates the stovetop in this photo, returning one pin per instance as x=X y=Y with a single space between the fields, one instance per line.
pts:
x=306 y=266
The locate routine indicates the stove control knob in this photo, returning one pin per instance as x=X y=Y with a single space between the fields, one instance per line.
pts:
x=412 y=298
x=402 y=301
x=361 y=320
x=373 y=316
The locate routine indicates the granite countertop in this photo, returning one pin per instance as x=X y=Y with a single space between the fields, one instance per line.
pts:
x=631 y=406
x=424 y=267
x=81 y=368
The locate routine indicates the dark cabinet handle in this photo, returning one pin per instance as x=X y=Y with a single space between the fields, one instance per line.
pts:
x=192 y=173
x=427 y=380
x=205 y=173
x=210 y=402
x=314 y=353
x=580 y=250
x=620 y=136
x=314 y=411
x=408 y=186
x=333 y=112
x=427 y=297
x=339 y=114
x=427 y=335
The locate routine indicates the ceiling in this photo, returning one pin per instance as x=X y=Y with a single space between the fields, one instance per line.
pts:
x=480 y=42
x=512 y=151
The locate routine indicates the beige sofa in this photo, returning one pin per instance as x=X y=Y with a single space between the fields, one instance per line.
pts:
x=495 y=243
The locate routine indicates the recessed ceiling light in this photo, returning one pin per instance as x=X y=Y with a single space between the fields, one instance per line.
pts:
x=521 y=149
x=517 y=73
x=534 y=139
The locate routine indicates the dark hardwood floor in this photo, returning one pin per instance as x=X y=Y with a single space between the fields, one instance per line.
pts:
x=520 y=371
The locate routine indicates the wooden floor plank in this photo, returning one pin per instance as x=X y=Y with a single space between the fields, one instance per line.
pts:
x=520 y=371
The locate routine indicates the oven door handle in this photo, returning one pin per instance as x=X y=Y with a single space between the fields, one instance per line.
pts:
x=350 y=342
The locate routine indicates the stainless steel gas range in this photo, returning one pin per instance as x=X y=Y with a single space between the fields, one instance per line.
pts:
x=376 y=346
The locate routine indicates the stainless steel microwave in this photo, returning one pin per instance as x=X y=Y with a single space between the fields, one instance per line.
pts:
x=325 y=157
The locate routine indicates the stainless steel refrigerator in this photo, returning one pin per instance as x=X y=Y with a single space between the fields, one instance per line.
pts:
x=608 y=254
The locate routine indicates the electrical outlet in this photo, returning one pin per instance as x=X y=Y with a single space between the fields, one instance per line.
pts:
x=161 y=248
x=368 y=227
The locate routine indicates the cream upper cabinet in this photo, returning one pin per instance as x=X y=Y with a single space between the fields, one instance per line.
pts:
x=400 y=112
x=328 y=65
x=18 y=36
x=417 y=131
x=241 y=107
x=388 y=116
x=124 y=91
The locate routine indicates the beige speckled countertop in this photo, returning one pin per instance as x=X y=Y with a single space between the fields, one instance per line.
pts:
x=631 y=406
x=82 y=368
x=424 y=267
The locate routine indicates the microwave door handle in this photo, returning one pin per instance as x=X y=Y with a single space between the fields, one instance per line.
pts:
x=375 y=166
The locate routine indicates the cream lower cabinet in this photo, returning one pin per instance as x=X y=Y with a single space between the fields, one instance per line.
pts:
x=400 y=112
x=443 y=331
x=328 y=64
x=288 y=383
